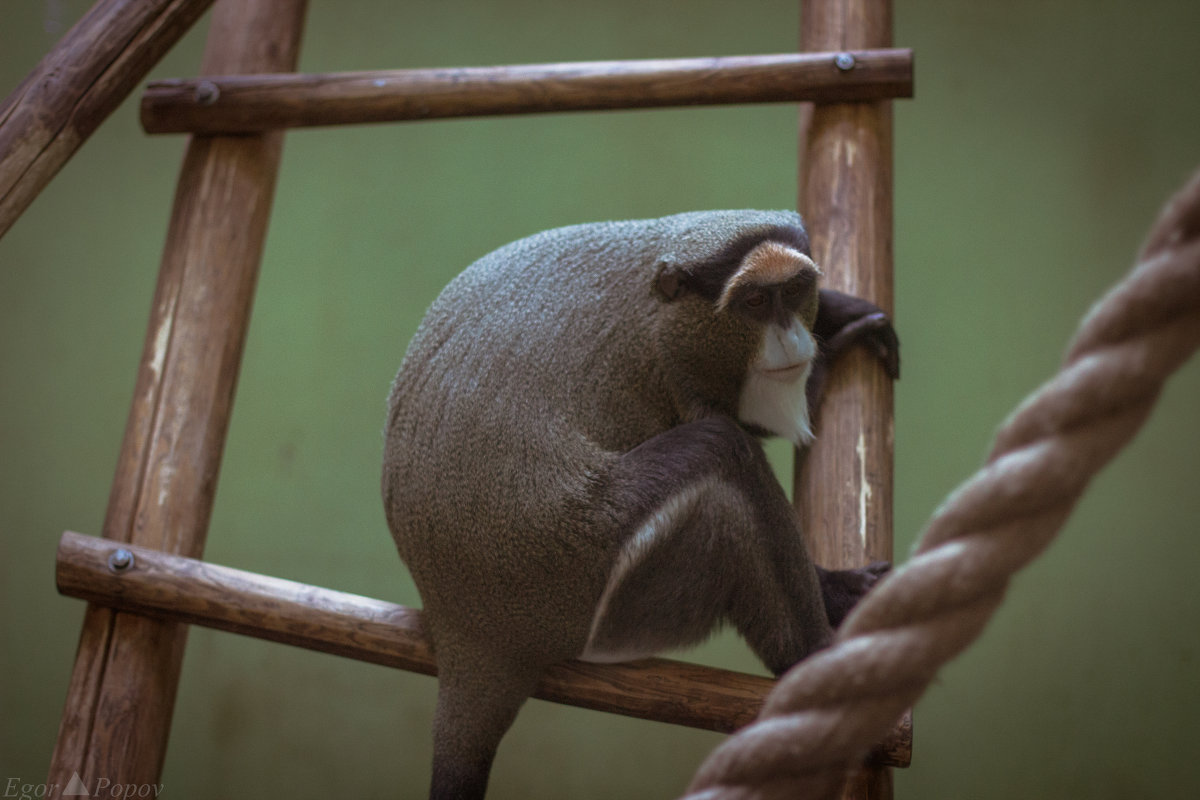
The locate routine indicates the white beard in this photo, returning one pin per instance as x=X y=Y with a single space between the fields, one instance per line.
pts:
x=773 y=396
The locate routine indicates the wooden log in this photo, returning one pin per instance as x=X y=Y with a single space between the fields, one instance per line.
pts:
x=845 y=485
x=77 y=85
x=186 y=590
x=122 y=690
x=231 y=104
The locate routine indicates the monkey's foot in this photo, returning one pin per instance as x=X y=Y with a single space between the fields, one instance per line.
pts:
x=844 y=588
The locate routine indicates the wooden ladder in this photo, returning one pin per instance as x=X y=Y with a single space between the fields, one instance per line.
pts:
x=144 y=580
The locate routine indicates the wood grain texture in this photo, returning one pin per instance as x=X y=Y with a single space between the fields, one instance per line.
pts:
x=262 y=102
x=185 y=590
x=77 y=85
x=845 y=486
x=122 y=690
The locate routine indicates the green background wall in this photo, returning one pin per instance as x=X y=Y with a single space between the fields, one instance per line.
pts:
x=1043 y=139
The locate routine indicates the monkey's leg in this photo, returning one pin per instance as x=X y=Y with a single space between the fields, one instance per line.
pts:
x=709 y=537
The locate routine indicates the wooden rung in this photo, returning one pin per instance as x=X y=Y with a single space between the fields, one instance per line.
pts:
x=192 y=591
x=244 y=103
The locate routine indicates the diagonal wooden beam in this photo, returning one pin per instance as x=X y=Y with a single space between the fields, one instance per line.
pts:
x=122 y=692
x=77 y=85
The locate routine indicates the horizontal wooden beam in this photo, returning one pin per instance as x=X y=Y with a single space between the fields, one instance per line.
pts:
x=244 y=103
x=146 y=581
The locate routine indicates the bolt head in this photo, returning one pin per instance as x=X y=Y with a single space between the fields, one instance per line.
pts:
x=207 y=93
x=120 y=560
x=844 y=61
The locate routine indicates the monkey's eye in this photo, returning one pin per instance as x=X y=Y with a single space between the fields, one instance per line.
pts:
x=791 y=290
x=756 y=299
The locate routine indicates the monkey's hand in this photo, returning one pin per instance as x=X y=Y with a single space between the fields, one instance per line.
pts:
x=844 y=588
x=844 y=321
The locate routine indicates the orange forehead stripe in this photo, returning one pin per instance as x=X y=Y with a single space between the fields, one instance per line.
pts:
x=768 y=264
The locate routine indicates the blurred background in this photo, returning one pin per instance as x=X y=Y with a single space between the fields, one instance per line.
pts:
x=1043 y=139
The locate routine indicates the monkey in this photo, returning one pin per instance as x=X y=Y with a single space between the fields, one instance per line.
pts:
x=573 y=465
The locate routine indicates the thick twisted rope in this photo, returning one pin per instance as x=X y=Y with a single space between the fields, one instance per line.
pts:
x=822 y=718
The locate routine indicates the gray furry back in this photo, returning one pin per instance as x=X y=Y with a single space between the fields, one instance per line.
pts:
x=520 y=335
x=535 y=301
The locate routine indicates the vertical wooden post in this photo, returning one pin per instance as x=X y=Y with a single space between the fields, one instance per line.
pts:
x=122 y=691
x=845 y=487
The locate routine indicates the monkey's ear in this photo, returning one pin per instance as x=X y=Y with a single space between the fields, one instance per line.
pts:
x=670 y=279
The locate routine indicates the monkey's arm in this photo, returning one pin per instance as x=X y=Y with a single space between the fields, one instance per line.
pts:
x=842 y=322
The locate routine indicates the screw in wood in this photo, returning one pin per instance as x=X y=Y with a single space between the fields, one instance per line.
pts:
x=121 y=560
x=207 y=93
x=844 y=61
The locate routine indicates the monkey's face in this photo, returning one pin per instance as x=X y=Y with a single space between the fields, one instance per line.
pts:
x=775 y=290
x=758 y=312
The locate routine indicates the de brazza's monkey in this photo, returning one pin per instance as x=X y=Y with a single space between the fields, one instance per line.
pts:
x=572 y=466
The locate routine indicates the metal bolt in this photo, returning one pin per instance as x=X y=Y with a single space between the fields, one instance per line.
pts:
x=207 y=93
x=120 y=560
x=844 y=61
